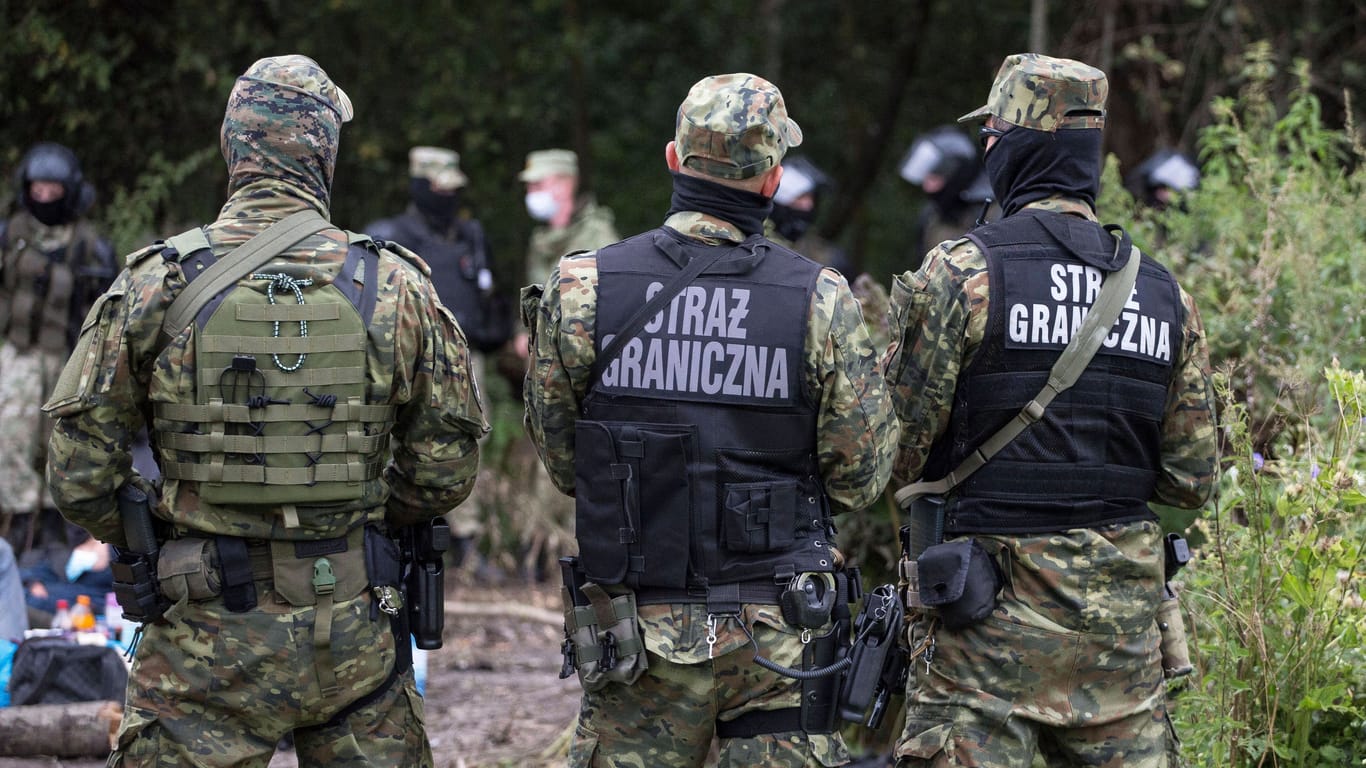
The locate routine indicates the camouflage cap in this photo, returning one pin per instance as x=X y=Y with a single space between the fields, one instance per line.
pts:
x=734 y=127
x=439 y=166
x=303 y=75
x=1046 y=94
x=549 y=162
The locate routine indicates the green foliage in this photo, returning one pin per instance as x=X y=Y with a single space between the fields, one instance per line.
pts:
x=1276 y=599
x=1273 y=249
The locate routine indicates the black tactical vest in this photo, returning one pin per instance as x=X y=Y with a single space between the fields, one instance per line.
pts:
x=455 y=264
x=696 y=456
x=1093 y=459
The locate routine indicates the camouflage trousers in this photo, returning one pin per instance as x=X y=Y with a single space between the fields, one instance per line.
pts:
x=211 y=688
x=26 y=378
x=1067 y=666
x=668 y=716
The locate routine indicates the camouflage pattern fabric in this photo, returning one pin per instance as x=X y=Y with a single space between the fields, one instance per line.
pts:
x=1046 y=94
x=26 y=379
x=855 y=428
x=1068 y=665
x=437 y=165
x=683 y=693
x=591 y=227
x=211 y=688
x=734 y=127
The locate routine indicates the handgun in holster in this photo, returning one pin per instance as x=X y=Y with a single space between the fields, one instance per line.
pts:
x=880 y=663
x=423 y=547
x=135 y=568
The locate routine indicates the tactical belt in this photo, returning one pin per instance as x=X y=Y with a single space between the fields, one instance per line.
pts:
x=757 y=593
x=760 y=723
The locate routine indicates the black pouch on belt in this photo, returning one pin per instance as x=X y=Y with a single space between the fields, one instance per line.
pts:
x=960 y=580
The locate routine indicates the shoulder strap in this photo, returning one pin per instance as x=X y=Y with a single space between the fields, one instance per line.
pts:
x=266 y=245
x=695 y=267
x=1114 y=292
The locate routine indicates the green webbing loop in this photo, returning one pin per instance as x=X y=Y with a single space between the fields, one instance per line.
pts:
x=324 y=582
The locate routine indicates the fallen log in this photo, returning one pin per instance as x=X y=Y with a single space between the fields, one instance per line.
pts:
x=79 y=729
x=505 y=610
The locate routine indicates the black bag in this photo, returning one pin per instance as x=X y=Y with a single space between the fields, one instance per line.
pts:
x=55 y=670
x=961 y=580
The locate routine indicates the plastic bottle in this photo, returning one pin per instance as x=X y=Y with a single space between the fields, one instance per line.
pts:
x=62 y=618
x=113 y=614
x=82 y=617
x=420 y=669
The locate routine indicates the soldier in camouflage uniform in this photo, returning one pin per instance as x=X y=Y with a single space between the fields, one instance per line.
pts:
x=1068 y=664
x=278 y=624
x=735 y=485
x=53 y=264
x=569 y=221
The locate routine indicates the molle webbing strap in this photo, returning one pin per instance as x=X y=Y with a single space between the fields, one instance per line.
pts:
x=1114 y=292
x=260 y=249
x=292 y=346
x=216 y=410
x=217 y=472
x=316 y=443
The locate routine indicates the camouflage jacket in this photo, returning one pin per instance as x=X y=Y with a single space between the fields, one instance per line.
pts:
x=939 y=318
x=122 y=367
x=591 y=227
x=856 y=433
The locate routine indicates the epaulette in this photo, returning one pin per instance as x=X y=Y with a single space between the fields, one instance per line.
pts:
x=137 y=257
x=405 y=255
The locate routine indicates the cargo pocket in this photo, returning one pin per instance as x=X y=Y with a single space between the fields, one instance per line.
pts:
x=140 y=740
x=923 y=746
x=759 y=517
x=633 y=508
x=86 y=372
x=829 y=749
x=583 y=749
x=761 y=501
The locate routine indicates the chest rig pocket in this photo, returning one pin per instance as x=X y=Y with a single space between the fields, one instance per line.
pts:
x=636 y=528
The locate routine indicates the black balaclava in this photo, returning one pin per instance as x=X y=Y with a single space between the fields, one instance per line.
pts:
x=437 y=209
x=746 y=210
x=1025 y=165
x=49 y=161
x=790 y=222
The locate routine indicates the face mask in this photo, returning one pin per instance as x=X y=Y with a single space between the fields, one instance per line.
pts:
x=50 y=214
x=81 y=560
x=541 y=205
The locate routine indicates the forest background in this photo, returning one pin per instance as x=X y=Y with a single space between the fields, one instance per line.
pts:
x=1273 y=243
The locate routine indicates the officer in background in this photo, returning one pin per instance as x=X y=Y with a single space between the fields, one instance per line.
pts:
x=1159 y=180
x=458 y=254
x=945 y=165
x=53 y=264
x=303 y=412
x=1067 y=663
x=702 y=499
x=795 y=207
x=566 y=220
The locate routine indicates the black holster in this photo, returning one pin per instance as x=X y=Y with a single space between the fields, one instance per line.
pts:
x=135 y=568
x=424 y=546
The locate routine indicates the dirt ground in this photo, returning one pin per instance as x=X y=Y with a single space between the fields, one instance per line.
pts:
x=493 y=698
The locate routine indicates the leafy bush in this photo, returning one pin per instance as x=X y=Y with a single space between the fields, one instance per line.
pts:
x=1273 y=248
